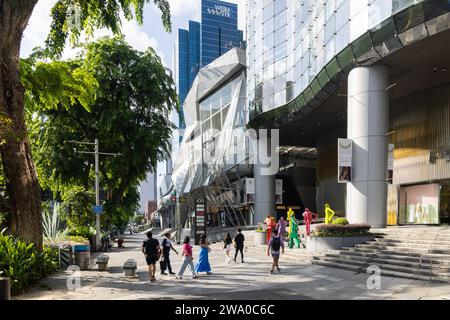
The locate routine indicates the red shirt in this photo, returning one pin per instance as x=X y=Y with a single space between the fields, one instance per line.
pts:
x=187 y=250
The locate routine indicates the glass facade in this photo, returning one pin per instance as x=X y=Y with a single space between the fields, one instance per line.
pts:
x=294 y=47
x=206 y=41
x=216 y=115
x=219 y=30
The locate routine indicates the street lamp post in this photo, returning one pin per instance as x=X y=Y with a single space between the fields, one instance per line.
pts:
x=97 y=195
x=97 y=154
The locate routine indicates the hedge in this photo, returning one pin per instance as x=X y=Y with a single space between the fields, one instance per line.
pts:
x=338 y=230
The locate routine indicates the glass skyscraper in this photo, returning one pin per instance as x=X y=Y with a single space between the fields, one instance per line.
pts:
x=206 y=41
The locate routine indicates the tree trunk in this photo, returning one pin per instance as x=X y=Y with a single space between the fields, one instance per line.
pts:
x=21 y=180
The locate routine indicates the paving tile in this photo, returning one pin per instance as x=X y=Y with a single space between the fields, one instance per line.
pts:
x=296 y=281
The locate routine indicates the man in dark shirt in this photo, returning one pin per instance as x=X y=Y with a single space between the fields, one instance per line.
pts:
x=166 y=247
x=239 y=245
x=152 y=252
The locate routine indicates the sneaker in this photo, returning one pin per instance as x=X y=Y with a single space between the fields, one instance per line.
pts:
x=164 y=274
x=172 y=273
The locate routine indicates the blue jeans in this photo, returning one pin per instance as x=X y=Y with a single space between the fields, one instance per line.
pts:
x=187 y=261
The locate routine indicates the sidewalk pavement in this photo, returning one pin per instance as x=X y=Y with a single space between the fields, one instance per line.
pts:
x=235 y=281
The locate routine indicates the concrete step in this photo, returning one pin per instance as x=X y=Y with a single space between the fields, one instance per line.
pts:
x=384 y=272
x=413 y=241
x=363 y=265
x=386 y=266
x=388 y=260
x=424 y=249
x=417 y=238
x=443 y=260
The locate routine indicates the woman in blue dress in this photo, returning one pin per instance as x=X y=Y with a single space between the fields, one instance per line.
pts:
x=203 y=262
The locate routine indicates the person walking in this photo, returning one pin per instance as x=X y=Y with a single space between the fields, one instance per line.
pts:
x=203 y=261
x=165 y=262
x=275 y=244
x=188 y=259
x=239 y=245
x=152 y=253
x=281 y=226
x=227 y=247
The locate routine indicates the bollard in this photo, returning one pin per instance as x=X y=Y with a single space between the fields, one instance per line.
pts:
x=130 y=267
x=5 y=289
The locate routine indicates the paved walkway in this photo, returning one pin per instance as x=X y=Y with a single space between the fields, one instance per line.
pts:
x=235 y=281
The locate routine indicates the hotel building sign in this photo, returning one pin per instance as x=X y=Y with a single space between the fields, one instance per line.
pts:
x=219 y=10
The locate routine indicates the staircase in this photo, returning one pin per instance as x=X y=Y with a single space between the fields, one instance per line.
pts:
x=421 y=253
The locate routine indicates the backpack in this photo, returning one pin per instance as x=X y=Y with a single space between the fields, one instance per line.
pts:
x=276 y=244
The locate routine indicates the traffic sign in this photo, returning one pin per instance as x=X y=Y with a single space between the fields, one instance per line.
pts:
x=98 y=209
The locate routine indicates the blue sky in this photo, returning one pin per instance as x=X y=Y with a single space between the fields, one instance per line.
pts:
x=151 y=33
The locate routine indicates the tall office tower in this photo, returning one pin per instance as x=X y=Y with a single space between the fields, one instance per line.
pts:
x=204 y=42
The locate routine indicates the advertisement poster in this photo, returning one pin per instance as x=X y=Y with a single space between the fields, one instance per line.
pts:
x=345 y=160
x=391 y=163
x=279 y=191
x=250 y=190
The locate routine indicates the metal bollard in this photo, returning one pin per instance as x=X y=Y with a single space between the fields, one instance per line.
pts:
x=5 y=289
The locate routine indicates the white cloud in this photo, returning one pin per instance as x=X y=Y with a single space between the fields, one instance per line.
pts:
x=39 y=26
x=190 y=9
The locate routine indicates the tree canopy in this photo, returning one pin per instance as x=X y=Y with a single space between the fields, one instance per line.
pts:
x=72 y=17
x=134 y=95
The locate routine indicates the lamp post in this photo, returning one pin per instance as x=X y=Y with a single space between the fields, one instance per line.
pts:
x=97 y=154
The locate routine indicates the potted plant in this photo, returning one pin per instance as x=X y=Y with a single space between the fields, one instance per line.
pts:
x=337 y=235
x=260 y=235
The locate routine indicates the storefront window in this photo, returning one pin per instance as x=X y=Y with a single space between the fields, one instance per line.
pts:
x=419 y=204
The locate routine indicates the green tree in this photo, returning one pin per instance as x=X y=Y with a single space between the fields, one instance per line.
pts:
x=135 y=95
x=21 y=181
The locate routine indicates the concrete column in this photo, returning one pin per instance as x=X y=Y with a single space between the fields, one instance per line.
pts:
x=264 y=190
x=368 y=116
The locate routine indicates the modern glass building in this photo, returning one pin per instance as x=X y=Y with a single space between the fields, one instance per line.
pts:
x=219 y=29
x=204 y=42
x=211 y=162
x=375 y=72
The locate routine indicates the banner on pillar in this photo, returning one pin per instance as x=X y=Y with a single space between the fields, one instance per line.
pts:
x=200 y=219
x=391 y=163
x=345 y=160
x=279 y=191
x=250 y=190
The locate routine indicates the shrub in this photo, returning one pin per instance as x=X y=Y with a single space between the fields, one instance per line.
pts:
x=77 y=240
x=260 y=228
x=82 y=231
x=23 y=264
x=52 y=225
x=340 y=221
x=337 y=230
